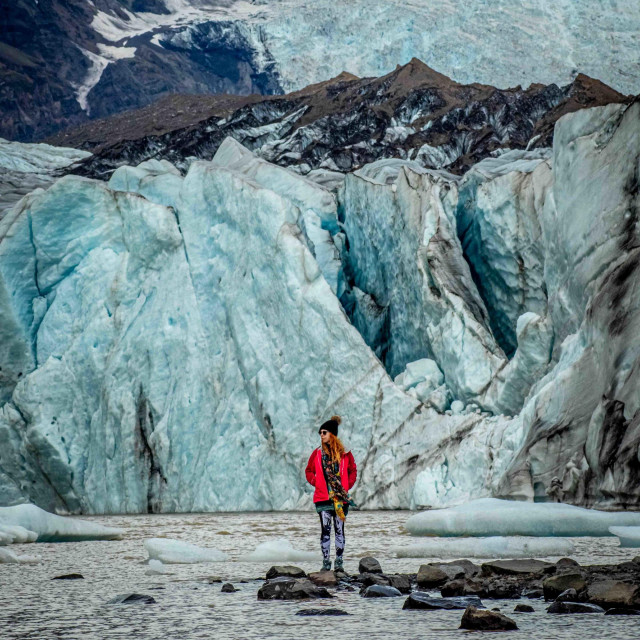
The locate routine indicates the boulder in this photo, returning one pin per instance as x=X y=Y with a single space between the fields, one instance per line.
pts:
x=367 y=579
x=567 y=563
x=380 y=591
x=322 y=612
x=569 y=595
x=476 y=619
x=517 y=567
x=369 y=565
x=622 y=612
x=532 y=594
x=324 y=578
x=132 y=598
x=524 y=608
x=614 y=594
x=503 y=588
x=285 y=570
x=419 y=600
x=69 y=576
x=574 y=607
x=430 y=576
x=284 y=588
x=467 y=587
x=227 y=587
x=553 y=586
x=401 y=582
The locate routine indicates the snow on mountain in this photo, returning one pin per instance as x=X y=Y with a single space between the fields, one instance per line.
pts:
x=170 y=342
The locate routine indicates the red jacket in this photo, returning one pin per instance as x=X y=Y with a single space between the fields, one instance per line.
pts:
x=315 y=475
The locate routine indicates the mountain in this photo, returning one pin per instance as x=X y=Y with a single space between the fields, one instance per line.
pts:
x=65 y=62
x=412 y=113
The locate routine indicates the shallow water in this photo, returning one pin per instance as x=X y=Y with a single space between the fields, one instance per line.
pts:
x=33 y=606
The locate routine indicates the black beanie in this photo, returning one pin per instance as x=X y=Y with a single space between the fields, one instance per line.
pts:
x=331 y=425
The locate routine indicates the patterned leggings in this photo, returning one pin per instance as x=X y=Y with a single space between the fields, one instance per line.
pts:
x=325 y=533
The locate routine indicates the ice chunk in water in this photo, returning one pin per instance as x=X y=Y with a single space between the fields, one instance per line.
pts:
x=9 y=557
x=494 y=547
x=49 y=527
x=280 y=550
x=155 y=568
x=493 y=517
x=628 y=536
x=170 y=551
x=13 y=534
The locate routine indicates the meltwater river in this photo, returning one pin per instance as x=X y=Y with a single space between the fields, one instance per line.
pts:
x=189 y=606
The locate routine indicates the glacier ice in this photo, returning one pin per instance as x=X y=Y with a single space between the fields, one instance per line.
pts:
x=628 y=536
x=494 y=517
x=155 y=568
x=491 y=547
x=49 y=527
x=9 y=557
x=176 y=339
x=168 y=551
x=280 y=550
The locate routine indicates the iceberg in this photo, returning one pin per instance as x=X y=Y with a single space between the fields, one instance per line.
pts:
x=491 y=547
x=9 y=557
x=628 y=536
x=494 y=517
x=280 y=550
x=167 y=551
x=24 y=521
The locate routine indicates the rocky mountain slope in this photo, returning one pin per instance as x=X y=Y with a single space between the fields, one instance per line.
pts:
x=65 y=62
x=412 y=113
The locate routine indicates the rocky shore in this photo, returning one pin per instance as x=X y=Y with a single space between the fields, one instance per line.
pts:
x=569 y=587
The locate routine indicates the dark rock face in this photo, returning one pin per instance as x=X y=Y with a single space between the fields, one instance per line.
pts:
x=412 y=113
x=380 y=591
x=574 y=607
x=524 y=608
x=43 y=64
x=569 y=595
x=69 y=576
x=419 y=600
x=622 y=612
x=284 y=588
x=285 y=570
x=132 y=598
x=369 y=565
x=322 y=612
x=482 y=620
x=400 y=582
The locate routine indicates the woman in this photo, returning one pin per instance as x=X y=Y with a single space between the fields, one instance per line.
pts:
x=332 y=471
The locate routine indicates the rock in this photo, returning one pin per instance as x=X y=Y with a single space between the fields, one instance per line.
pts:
x=524 y=608
x=400 y=582
x=482 y=620
x=369 y=565
x=516 y=567
x=555 y=585
x=216 y=579
x=502 y=588
x=614 y=594
x=132 y=598
x=322 y=612
x=324 y=578
x=453 y=568
x=468 y=587
x=622 y=612
x=567 y=563
x=574 y=607
x=69 y=576
x=569 y=595
x=284 y=588
x=227 y=587
x=367 y=579
x=285 y=570
x=430 y=576
x=532 y=593
x=380 y=591
x=419 y=600
x=636 y=560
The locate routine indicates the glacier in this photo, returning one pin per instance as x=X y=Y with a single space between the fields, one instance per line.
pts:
x=170 y=342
